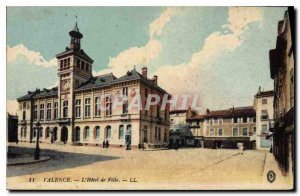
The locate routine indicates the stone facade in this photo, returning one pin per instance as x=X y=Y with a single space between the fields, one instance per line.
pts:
x=283 y=72
x=224 y=128
x=72 y=112
x=263 y=105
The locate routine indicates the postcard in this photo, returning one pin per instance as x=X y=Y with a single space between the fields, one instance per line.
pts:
x=150 y=98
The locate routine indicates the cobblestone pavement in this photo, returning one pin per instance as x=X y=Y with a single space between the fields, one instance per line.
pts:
x=116 y=168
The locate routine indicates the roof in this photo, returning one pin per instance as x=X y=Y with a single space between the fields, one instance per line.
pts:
x=232 y=112
x=98 y=81
x=265 y=94
x=75 y=51
x=39 y=94
x=92 y=83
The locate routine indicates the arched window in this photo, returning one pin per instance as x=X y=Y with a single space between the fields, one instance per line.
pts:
x=41 y=132
x=121 y=132
x=77 y=134
x=97 y=133
x=86 y=133
x=54 y=133
x=108 y=132
x=128 y=130
x=47 y=134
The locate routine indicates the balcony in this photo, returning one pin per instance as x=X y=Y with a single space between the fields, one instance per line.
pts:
x=125 y=117
x=63 y=120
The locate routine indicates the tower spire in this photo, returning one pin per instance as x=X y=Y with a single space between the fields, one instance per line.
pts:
x=75 y=37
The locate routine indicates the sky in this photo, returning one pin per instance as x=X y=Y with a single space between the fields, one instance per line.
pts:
x=217 y=53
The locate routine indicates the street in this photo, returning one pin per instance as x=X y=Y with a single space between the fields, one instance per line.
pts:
x=115 y=168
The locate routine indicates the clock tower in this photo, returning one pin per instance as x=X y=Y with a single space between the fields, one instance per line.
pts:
x=74 y=68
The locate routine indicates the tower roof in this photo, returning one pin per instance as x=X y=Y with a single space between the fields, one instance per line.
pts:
x=75 y=32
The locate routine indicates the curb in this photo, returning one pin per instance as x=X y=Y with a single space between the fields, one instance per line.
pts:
x=29 y=162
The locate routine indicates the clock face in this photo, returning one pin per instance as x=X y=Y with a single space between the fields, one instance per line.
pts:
x=66 y=85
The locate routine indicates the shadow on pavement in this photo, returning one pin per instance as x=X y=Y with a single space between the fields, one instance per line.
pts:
x=59 y=160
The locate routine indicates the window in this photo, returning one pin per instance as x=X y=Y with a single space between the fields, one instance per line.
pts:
x=24 y=115
x=210 y=121
x=68 y=61
x=245 y=131
x=264 y=101
x=86 y=133
x=215 y=121
x=24 y=106
x=77 y=108
x=155 y=134
x=61 y=64
x=146 y=97
x=235 y=120
x=254 y=129
x=235 y=131
x=42 y=111
x=97 y=106
x=65 y=109
x=121 y=132
x=77 y=134
x=48 y=111
x=220 y=121
x=108 y=109
x=125 y=107
x=292 y=87
x=24 y=132
x=86 y=67
x=254 y=119
x=146 y=134
x=108 y=132
x=97 y=132
x=78 y=63
x=87 y=107
x=244 y=119
x=158 y=110
x=125 y=102
x=125 y=91
x=55 y=110
x=220 y=132
x=82 y=65
x=211 y=132
x=128 y=130
x=35 y=114
x=47 y=132
x=159 y=133
x=41 y=132
x=264 y=128
x=165 y=135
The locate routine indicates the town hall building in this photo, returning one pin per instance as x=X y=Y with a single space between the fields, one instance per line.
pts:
x=71 y=113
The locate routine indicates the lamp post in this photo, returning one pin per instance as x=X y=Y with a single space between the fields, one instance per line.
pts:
x=37 y=147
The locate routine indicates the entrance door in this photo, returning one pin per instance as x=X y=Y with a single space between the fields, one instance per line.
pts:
x=64 y=134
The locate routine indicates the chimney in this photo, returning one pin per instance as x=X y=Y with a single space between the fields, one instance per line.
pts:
x=144 y=71
x=155 y=79
x=259 y=90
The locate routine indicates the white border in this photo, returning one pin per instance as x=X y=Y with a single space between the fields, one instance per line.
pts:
x=111 y=3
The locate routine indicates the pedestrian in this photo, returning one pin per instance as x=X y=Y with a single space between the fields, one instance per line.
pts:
x=103 y=144
x=107 y=144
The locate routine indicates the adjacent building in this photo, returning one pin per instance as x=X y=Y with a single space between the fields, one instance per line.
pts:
x=283 y=72
x=263 y=105
x=225 y=128
x=72 y=113
x=12 y=128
